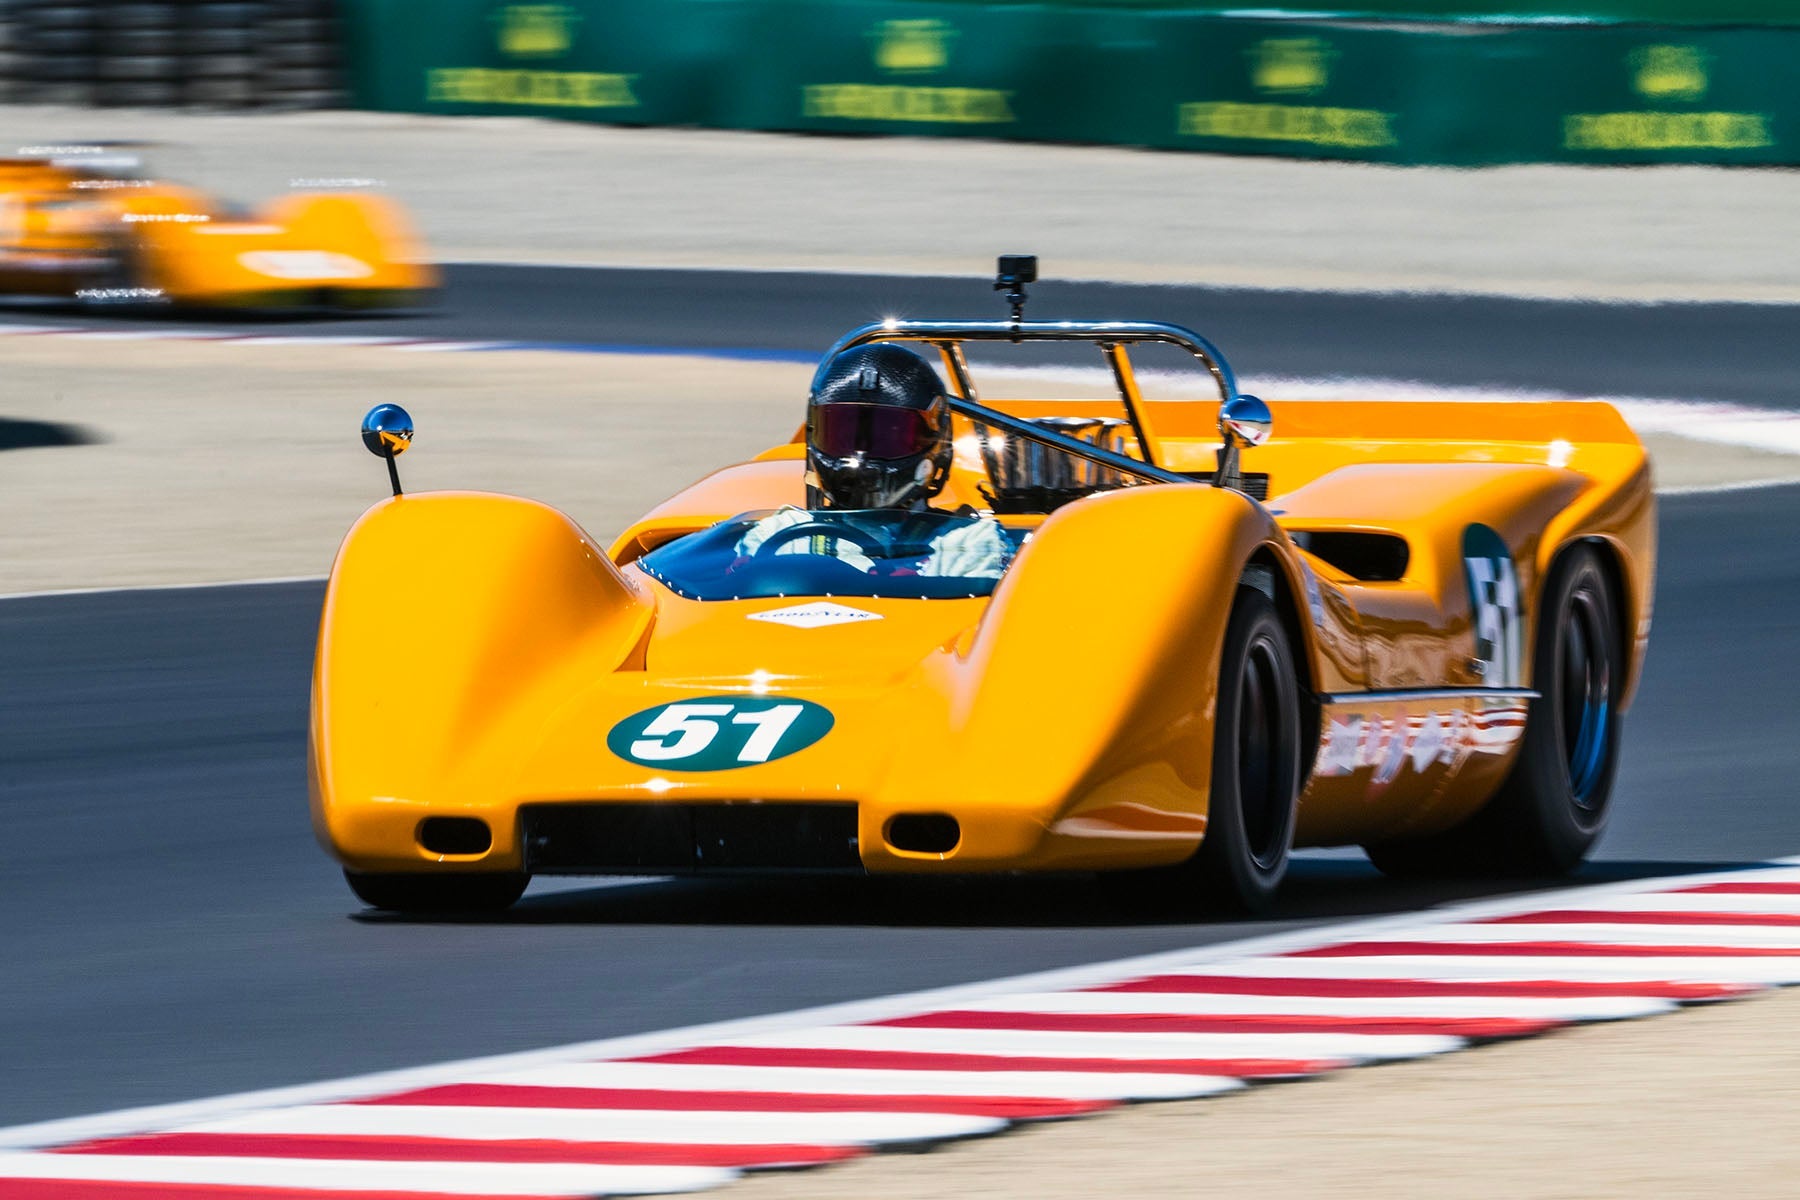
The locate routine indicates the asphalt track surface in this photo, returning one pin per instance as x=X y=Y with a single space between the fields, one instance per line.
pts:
x=1746 y=353
x=171 y=931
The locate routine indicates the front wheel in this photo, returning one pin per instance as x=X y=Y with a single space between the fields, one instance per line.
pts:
x=1255 y=763
x=470 y=892
x=1256 y=780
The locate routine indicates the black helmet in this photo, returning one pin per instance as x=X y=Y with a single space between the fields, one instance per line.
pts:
x=878 y=429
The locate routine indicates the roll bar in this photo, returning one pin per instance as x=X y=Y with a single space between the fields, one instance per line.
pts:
x=1112 y=338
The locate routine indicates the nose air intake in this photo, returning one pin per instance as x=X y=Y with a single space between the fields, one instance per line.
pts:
x=455 y=835
x=924 y=833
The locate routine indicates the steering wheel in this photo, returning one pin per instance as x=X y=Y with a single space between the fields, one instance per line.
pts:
x=794 y=533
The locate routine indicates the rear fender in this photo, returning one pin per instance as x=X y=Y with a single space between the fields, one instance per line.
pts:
x=293 y=247
x=364 y=225
x=1623 y=519
x=455 y=625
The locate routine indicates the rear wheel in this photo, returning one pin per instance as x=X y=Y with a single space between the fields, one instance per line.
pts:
x=469 y=892
x=1553 y=805
x=118 y=283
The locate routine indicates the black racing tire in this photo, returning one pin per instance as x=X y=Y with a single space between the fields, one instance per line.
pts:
x=118 y=283
x=1553 y=806
x=1256 y=761
x=1256 y=779
x=464 y=892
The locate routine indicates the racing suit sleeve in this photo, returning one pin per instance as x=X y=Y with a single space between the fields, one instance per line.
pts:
x=787 y=517
x=978 y=550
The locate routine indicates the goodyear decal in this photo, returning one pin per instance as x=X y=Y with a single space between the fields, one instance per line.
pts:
x=719 y=733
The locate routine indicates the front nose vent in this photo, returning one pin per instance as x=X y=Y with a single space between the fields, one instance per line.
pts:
x=924 y=833
x=455 y=835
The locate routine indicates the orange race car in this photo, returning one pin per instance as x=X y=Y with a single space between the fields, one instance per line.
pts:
x=931 y=635
x=82 y=223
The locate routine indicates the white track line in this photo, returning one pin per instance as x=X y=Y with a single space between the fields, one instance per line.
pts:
x=1720 y=903
x=1527 y=1008
x=1747 y=936
x=829 y=1081
x=1029 y=1043
x=1768 y=972
x=451 y=1179
x=477 y=1122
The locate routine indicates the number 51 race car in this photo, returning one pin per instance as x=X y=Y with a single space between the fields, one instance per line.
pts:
x=1410 y=626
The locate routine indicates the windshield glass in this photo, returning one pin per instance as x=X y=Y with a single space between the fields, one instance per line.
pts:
x=797 y=552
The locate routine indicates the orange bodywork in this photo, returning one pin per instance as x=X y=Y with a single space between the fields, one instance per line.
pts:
x=70 y=232
x=476 y=650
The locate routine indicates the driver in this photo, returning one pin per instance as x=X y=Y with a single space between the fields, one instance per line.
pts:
x=878 y=437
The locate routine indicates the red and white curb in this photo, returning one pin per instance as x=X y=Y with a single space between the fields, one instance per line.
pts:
x=695 y=1108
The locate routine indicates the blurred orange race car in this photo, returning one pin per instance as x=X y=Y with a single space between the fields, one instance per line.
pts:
x=82 y=223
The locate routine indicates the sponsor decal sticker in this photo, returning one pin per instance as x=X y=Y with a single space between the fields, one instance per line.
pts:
x=812 y=616
x=1669 y=72
x=1296 y=68
x=910 y=49
x=1386 y=745
x=1664 y=74
x=534 y=34
x=719 y=733
x=535 y=30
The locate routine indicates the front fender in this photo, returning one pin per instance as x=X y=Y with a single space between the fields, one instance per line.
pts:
x=1081 y=712
x=454 y=625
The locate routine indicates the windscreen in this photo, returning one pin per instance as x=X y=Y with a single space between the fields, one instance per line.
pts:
x=797 y=552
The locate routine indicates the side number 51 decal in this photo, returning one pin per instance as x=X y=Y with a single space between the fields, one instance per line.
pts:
x=1496 y=607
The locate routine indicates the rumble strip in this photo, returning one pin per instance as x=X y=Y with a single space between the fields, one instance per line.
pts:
x=694 y=1108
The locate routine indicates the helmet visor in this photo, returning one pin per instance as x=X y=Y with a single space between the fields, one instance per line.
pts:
x=878 y=431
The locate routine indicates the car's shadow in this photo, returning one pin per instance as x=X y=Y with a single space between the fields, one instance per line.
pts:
x=1316 y=890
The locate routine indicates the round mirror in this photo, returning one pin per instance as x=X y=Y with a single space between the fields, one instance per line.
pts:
x=387 y=430
x=1247 y=419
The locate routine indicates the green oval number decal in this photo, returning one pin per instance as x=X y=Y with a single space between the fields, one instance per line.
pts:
x=717 y=733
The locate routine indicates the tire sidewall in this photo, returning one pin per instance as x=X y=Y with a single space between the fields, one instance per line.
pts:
x=1228 y=867
x=1541 y=782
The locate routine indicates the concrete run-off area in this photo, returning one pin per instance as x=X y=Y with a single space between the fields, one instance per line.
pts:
x=516 y=190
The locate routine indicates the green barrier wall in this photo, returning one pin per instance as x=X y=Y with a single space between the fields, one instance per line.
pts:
x=1639 y=12
x=1405 y=93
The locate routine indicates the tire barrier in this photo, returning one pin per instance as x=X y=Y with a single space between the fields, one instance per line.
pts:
x=1442 y=88
x=204 y=53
